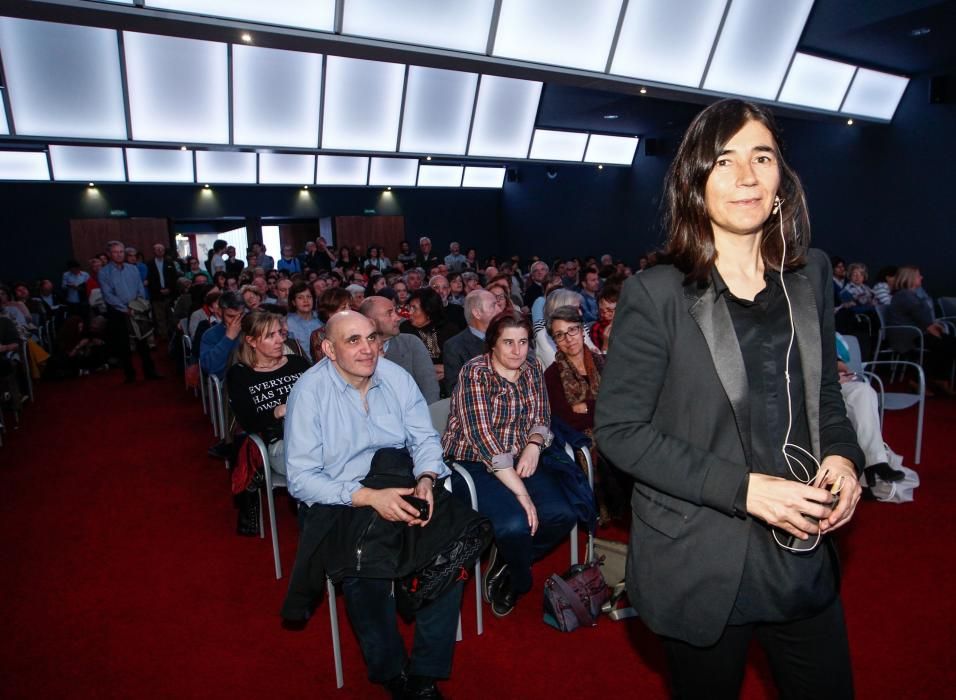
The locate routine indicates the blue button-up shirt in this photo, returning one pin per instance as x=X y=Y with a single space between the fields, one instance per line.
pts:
x=301 y=329
x=121 y=285
x=330 y=438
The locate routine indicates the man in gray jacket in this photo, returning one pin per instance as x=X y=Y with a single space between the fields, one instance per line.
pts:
x=404 y=349
x=480 y=308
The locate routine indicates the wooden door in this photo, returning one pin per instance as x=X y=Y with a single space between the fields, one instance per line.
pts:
x=296 y=234
x=90 y=236
x=386 y=232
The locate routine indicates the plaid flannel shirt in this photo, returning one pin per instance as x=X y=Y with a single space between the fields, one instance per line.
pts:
x=491 y=418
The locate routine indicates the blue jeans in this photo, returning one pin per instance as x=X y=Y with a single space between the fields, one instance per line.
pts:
x=516 y=546
x=370 y=603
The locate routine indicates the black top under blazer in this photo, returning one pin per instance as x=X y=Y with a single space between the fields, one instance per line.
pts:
x=672 y=411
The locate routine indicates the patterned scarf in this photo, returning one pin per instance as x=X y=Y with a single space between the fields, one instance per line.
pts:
x=577 y=389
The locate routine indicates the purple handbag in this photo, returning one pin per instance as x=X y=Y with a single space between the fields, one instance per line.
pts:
x=575 y=599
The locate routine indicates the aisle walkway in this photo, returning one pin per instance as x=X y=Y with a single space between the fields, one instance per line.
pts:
x=125 y=578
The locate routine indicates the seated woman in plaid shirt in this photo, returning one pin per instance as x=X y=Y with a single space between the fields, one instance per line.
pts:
x=498 y=427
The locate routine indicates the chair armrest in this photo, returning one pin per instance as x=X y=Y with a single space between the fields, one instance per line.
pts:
x=905 y=363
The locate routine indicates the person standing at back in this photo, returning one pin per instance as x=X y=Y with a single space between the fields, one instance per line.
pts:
x=122 y=285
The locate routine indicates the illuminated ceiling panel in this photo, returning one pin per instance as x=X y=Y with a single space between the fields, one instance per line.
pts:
x=87 y=163
x=504 y=117
x=363 y=103
x=438 y=106
x=440 y=175
x=286 y=169
x=667 y=42
x=397 y=172
x=313 y=14
x=63 y=80
x=275 y=97
x=484 y=177
x=342 y=170
x=4 y=127
x=159 y=165
x=875 y=94
x=559 y=32
x=611 y=150
x=558 y=145
x=226 y=167
x=755 y=46
x=462 y=25
x=23 y=165
x=816 y=82
x=178 y=89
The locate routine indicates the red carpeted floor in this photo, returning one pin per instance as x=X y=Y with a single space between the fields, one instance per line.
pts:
x=125 y=578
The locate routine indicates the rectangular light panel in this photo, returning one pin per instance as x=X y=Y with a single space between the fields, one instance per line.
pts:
x=756 y=45
x=611 y=150
x=397 y=172
x=484 y=177
x=875 y=94
x=558 y=32
x=341 y=170
x=313 y=14
x=816 y=82
x=87 y=163
x=462 y=25
x=4 y=127
x=440 y=175
x=558 y=145
x=225 y=167
x=275 y=97
x=178 y=89
x=438 y=106
x=63 y=80
x=286 y=169
x=668 y=42
x=363 y=104
x=159 y=165
x=23 y=165
x=504 y=117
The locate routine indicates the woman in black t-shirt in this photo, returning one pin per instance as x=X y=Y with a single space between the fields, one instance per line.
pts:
x=258 y=386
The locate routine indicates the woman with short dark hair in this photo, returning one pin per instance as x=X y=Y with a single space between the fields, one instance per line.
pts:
x=427 y=321
x=720 y=396
x=499 y=429
x=332 y=301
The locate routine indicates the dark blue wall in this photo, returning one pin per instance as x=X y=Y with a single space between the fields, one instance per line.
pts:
x=35 y=218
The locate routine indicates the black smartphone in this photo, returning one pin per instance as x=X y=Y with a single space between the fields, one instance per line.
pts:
x=421 y=504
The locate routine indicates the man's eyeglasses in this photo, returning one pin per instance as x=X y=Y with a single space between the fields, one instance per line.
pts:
x=572 y=332
x=500 y=297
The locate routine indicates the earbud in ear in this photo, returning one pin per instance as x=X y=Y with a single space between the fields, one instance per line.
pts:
x=776 y=204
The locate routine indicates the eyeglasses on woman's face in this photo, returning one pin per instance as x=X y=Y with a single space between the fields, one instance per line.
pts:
x=572 y=332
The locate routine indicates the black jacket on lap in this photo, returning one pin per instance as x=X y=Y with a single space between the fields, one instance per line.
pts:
x=342 y=541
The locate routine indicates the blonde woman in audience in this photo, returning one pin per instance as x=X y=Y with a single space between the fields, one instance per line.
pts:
x=258 y=385
x=252 y=296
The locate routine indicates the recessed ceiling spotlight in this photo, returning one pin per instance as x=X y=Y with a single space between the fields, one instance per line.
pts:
x=182 y=148
x=388 y=189
x=600 y=167
x=428 y=157
x=205 y=187
x=849 y=122
x=643 y=90
x=920 y=31
x=92 y=184
x=247 y=37
x=305 y=187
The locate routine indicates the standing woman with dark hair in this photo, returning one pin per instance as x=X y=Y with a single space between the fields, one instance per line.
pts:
x=499 y=429
x=720 y=396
